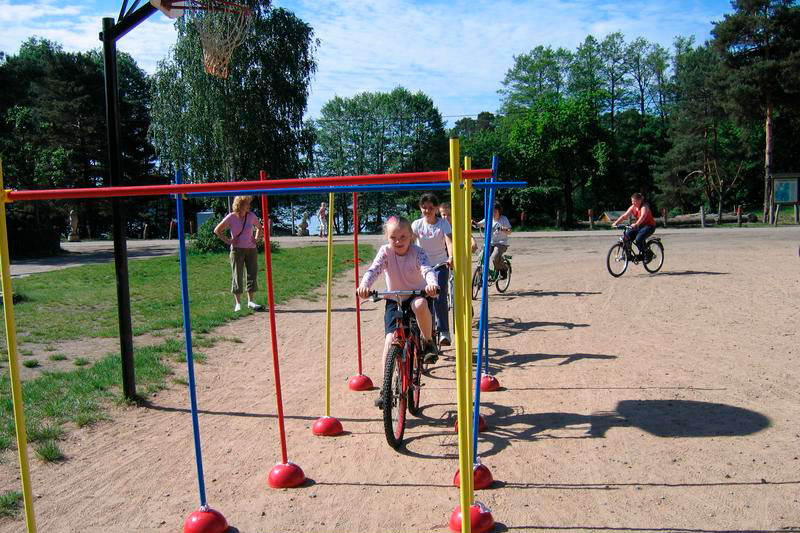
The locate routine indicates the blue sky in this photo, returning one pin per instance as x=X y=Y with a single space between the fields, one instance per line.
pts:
x=457 y=52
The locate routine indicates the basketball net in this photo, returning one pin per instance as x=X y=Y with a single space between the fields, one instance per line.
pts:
x=222 y=27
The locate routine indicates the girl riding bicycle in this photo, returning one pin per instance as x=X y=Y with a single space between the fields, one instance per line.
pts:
x=643 y=227
x=501 y=229
x=405 y=267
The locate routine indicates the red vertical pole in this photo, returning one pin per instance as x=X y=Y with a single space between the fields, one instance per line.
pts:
x=272 y=329
x=355 y=265
x=359 y=382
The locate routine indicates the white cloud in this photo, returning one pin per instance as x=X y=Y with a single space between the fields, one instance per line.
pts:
x=456 y=52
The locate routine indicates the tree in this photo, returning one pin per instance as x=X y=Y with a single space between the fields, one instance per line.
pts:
x=637 y=54
x=614 y=71
x=660 y=90
x=563 y=141
x=251 y=121
x=541 y=72
x=760 y=44
x=379 y=133
x=707 y=153
x=585 y=74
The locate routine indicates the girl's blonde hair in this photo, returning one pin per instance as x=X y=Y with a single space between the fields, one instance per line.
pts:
x=238 y=201
x=399 y=221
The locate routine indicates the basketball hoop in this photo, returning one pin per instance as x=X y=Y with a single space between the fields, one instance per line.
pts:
x=221 y=25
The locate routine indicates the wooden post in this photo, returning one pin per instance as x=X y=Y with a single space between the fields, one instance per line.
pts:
x=739 y=215
x=591 y=219
x=796 y=214
x=776 y=214
x=558 y=218
x=171 y=225
x=702 y=216
x=664 y=215
x=144 y=233
x=191 y=228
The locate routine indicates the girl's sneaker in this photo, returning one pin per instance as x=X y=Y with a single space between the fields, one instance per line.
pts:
x=237 y=308
x=254 y=306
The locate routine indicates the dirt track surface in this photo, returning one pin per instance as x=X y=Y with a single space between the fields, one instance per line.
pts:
x=661 y=402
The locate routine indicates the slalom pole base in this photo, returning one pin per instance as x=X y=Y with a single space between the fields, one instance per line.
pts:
x=360 y=382
x=205 y=520
x=481 y=477
x=482 y=424
x=286 y=476
x=480 y=518
x=489 y=383
x=327 y=426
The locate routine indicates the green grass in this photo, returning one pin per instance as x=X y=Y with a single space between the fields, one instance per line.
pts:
x=80 y=361
x=48 y=451
x=80 y=302
x=10 y=503
x=30 y=363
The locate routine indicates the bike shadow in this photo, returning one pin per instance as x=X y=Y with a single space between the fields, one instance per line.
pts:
x=507 y=327
x=508 y=360
x=510 y=295
x=687 y=273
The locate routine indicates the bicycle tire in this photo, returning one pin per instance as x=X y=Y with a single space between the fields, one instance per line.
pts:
x=502 y=284
x=394 y=398
x=657 y=249
x=415 y=387
x=477 y=282
x=617 y=257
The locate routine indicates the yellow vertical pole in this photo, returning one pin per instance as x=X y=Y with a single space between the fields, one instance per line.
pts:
x=13 y=364
x=457 y=203
x=328 y=309
x=468 y=311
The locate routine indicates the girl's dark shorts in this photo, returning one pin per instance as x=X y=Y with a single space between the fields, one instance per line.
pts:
x=389 y=322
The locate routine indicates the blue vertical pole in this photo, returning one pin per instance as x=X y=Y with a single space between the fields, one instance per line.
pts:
x=483 y=327
x=187 y=333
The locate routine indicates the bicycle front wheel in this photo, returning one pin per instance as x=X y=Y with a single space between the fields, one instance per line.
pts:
x=415 y=388
x=394 y=398
x=617 y=260
x=477 y=282
x=502 y=284
x=654 y=256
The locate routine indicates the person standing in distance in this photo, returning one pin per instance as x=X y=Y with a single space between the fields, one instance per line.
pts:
x=322 y=215
x=244 y=254
x=435 y=236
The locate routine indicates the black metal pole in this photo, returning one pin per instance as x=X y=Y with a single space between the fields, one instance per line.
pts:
x=118 y=215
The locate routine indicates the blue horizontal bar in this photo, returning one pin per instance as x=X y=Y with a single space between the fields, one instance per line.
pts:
x=360 y=188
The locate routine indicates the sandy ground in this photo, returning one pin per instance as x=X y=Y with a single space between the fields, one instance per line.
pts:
x=644 y=403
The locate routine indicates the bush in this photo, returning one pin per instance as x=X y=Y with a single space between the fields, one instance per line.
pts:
x=205 y=242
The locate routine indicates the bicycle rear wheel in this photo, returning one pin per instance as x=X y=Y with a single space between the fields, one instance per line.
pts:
x=477 y=281
x=415 y=387
x=502 y=284
x=654 y=256
x=394 y=399
x=617 y=260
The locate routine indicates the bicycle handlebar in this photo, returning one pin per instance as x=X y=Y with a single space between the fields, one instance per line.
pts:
x=376 y=295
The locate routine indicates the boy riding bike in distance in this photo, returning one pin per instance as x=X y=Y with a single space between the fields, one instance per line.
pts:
x=405 y=267
x=501 y=229
x=643 y=227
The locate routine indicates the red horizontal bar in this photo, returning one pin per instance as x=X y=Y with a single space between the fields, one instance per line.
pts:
x=156 y=190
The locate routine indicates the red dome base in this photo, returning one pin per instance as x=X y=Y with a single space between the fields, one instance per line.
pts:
x=205 y=521
x=286 y=476
x=480 y=518
x=489 y=383
x=360 y=382
x=482 y=424
x=327 y=426
x=481 y=477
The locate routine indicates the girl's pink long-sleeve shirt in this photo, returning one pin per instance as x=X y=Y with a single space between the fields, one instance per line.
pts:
x=409 y=272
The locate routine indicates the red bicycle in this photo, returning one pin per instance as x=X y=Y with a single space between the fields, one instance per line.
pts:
x=402 y=376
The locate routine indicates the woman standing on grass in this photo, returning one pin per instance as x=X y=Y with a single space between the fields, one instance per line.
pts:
x=244 y=254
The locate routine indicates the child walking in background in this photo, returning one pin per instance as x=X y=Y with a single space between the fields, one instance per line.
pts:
x=406 y=268
x=322 y=215
x=435 y=236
